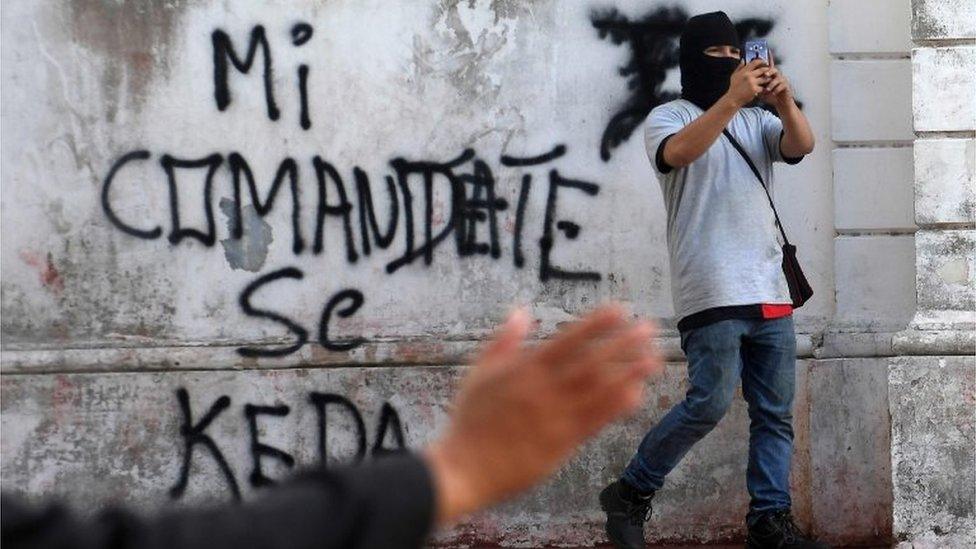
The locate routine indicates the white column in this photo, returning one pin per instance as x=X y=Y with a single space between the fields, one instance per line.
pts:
x=944 y=120
x=931 y=392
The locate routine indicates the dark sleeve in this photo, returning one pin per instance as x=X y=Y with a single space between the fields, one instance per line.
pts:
x=788 y=159
x=772 y=130
x=662 y=123
x=386 y=503
x=662 y=165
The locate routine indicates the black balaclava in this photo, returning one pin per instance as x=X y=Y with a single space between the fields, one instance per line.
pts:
x=705 y=79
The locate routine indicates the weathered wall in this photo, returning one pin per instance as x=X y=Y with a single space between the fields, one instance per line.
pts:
x=455 y=90
x=932 y=397
x=499 y=146
x=114 y=437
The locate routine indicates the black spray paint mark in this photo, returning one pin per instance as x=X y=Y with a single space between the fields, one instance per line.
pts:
x=178 y=233
x=107 y=204
x=300 y=34
x=571 y=230
x=389 y=421
x=355 y=299
x=367 y=212
x=456 y=200
x=321 y=401
x=389 y=436
x=653 y=44
x=511 y=161
x=259 y=449
x=470 y=216
x=518 y=258
x=223 y=51
x=224 y=55
x=428 y=171
x=325 y=172
x=195 y=434
x=481 y=206
x=303 y=118
x=287 y=169
x=301 y=334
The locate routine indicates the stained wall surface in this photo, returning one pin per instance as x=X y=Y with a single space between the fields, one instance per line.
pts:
x=303 y=216
x=462 y=93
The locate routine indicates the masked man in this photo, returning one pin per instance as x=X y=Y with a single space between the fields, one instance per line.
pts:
x=727 y=280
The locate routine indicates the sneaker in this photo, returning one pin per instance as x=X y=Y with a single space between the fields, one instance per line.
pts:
x=777 y=530
x=625 y=516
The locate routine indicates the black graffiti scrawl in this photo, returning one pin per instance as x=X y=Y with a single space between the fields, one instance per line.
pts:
x=653 y=44
x=389 y=436
x=426 y=205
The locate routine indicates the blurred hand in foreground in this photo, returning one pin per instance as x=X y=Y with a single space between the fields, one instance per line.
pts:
x=523 y=411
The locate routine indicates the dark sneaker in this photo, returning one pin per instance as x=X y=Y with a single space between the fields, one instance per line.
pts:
x=625 y=517
x=776 y=530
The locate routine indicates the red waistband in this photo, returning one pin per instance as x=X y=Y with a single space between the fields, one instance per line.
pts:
x=776 y=310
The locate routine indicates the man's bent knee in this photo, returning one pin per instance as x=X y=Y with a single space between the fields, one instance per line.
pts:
x=708 y=411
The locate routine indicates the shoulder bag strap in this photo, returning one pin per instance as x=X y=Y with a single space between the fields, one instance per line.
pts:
x=755 y=171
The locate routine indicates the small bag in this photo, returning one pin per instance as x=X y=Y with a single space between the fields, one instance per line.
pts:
x=800 y=290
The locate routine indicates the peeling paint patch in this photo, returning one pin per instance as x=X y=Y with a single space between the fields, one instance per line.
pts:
x=954 y=272
x=468 y=40
x=509 y=9
x=49 y=275
x=249 y=252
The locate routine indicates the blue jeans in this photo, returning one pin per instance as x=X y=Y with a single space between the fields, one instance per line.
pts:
x=762 y=353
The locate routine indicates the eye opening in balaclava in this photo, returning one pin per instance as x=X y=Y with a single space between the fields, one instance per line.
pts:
x=704 y=78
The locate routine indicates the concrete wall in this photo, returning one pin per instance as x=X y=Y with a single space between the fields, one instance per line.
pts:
x=114 y=437
x=392 y=91
x=125 y=279
x=932 y=397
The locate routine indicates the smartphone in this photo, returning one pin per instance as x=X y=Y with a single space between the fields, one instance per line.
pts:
x=757 y=49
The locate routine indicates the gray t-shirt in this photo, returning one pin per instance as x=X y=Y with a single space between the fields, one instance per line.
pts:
x=724 y=245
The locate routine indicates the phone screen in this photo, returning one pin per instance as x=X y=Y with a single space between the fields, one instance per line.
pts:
x=757 y=49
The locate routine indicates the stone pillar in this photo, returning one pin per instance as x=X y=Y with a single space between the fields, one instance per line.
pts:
x=931 y=390
x=944 y=116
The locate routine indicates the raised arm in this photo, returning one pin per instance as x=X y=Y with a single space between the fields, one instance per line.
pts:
x=687 y=145
x=798 y=138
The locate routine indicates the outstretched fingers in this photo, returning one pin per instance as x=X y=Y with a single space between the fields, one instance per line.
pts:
x=623 y=362
x=604 y=361
x=574 y=339
x=623 y=346
x=618 y=393
x=601 y=375
x=500 y=351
